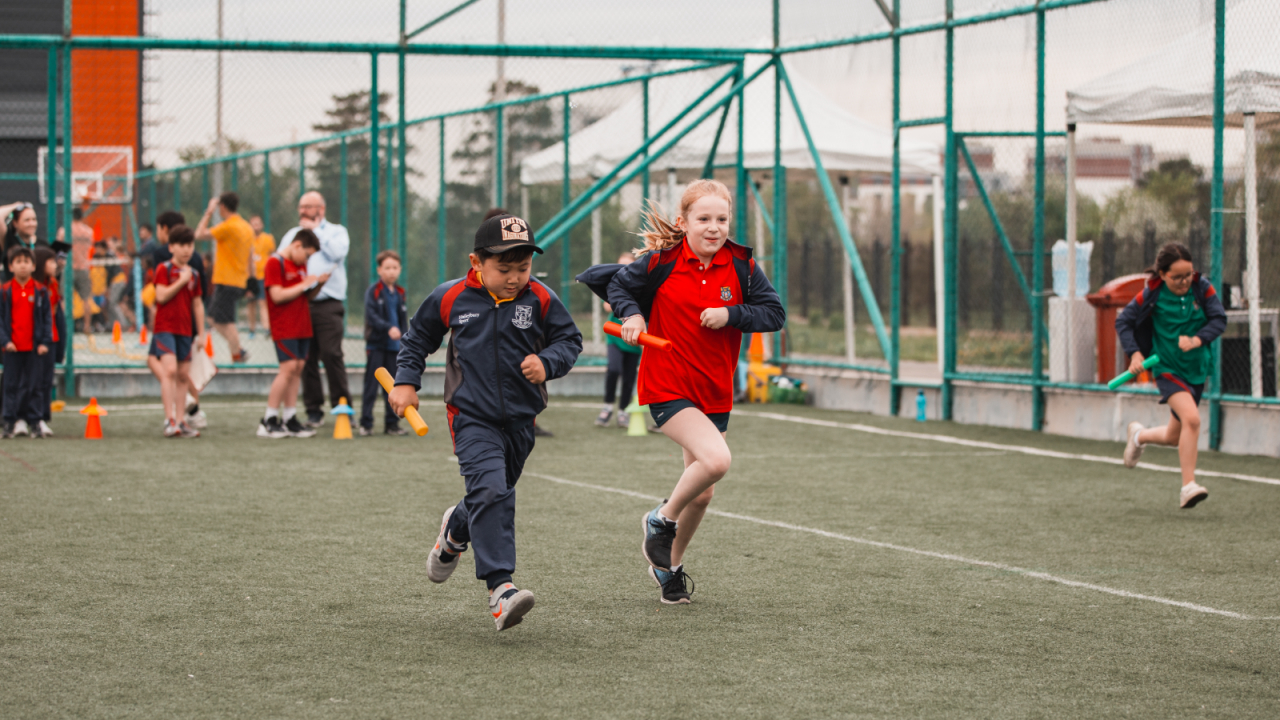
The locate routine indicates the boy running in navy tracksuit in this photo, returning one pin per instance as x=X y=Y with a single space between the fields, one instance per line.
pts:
x=25 y=333
x=698 y=289
x=508 y=335
x=1175 y=316
x=385 y=320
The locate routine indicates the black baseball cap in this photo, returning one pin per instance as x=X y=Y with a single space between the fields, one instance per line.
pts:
x=504 y=232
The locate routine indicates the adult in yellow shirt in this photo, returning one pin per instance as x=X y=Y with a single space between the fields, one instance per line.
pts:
x=264 y=243
x=233 y=244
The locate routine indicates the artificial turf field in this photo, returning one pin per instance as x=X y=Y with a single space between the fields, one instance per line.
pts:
x=235 y=577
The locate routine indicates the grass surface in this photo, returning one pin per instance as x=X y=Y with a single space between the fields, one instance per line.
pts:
x=235 y=577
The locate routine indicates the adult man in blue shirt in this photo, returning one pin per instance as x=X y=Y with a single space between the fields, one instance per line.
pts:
x=328 y=315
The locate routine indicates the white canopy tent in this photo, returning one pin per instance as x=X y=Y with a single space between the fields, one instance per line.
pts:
x=1174 y=86
x=846 y=144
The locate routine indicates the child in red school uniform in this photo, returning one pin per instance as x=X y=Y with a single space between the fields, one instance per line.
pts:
x=697 y=288
x=178 y=300
x=289 y=290
x=25 y=336
x=48 y=270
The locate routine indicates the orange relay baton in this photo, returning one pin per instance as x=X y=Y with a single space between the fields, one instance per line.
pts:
x=645 y=339
x=410 y=413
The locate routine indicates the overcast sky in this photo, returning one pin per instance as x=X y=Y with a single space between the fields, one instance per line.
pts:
x=274 y=98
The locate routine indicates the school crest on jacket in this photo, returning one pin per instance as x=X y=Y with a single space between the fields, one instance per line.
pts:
x=523 y=318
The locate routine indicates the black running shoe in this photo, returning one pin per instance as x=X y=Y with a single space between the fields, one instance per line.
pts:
x=676 y=585
x=659 y=534
x=297 y=429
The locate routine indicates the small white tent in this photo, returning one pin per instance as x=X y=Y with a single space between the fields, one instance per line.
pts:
x=846 y=143
x=1174 y=86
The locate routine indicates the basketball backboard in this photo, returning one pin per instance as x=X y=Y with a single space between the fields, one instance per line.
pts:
x=101 y=175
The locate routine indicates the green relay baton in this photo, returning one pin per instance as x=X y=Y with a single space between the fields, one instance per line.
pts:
x=1126 y=376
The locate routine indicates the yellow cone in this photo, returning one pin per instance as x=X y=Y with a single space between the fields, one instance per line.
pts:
x=342 y=425
x=636 y=427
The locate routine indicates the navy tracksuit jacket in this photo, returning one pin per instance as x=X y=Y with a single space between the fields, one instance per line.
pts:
x=381 y=307
x=491 y=405
x=1136 y=327
x=22 y=370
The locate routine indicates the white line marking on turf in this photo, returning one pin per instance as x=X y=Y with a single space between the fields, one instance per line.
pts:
x=927 y=553
x=996 y=446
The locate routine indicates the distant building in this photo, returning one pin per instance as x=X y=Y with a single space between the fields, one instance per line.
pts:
x=1104 y=166
x=106 y=93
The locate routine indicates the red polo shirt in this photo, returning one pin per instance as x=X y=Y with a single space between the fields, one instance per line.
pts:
x=700 y=367
x=22 y=315
x=291 y=320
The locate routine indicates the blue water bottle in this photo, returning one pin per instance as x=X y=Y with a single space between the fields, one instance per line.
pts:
x=921 y=403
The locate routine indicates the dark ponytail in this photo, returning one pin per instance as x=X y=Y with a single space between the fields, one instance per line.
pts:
x=1168 y=255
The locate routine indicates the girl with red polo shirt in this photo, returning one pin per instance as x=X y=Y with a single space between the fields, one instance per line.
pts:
x=695 y=287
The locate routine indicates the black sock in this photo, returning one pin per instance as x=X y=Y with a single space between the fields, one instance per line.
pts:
x=446 y=556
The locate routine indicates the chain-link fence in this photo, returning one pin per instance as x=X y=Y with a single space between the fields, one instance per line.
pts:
x=270 y=125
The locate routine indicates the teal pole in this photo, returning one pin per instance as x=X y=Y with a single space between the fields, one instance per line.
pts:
x=499 y=159
x=962 y=147
x=343 y=197
x=895 y=232
x=69 y=279
x=153 y=200
x=235 y=175
x=950 y=227
x=740 y=216
x=1215 y=204
x=177 y=190
x=401 y=185
x=204 y=186
x=375 y=138
x=390 y=202
x=644 y=125
x=1037 y=243
x=442 y=243
x=51 y=151
x=302 y=170
x=779 y=182
x=266 y=191
x=566 y=266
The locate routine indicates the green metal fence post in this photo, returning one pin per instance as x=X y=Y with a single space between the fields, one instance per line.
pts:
x=302 y=170
x=1037 y=243
x=235 y=176
x=204 y=186
x=389 y=240
x=499 y=158
x=51 y=150
x=779 y=183
x=374 y=169
x=442 y=244
x=566 y=268
x=740 y=207
x=951 y=226
x=266 y=191
x=644 y=125
x=69 y=279
x=177 y=190
x=895 y=231
x=343 y=174
x=1215 y=210
x=152 y=202
x=401 y=185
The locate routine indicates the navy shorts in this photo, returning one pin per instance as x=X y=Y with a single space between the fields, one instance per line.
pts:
x=664 y=411
x=1169 y=384
x=293 y=349
x=169 y=344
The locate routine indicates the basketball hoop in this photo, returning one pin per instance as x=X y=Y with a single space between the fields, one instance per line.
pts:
x=101 y=175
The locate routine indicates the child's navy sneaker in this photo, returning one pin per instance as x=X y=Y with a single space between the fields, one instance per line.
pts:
x=676 y=585
x=659 y=534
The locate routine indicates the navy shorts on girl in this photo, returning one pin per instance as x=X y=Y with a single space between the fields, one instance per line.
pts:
x=170 y=344
x=294 y=349
x=664 y=411
x=1169 y=385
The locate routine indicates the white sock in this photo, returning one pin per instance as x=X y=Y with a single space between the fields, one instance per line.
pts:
x=271 y=412
x=607 y=409
x=664 y=517
x=288 y=413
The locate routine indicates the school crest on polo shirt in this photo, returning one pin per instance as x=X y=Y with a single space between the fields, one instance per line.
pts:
x=524 y=317
x=726 y=294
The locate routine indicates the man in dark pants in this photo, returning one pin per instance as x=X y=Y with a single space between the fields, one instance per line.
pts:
x=328 y=316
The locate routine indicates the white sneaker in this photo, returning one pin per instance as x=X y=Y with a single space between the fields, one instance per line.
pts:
x=437 y=569
x=1133 y=451
x=45 y=430
x=509 y=605
x=197 y=420
x=20 y=428
x=171 y=429
x=1192 y=494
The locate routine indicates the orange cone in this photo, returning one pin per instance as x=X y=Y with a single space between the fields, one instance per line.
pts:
x=208 y=344
x=115 y=333
x=142 y=336
x=93 y=424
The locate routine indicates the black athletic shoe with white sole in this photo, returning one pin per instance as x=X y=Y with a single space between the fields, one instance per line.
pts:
x=676 y=585
x=297 y=429
x=659 y=534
